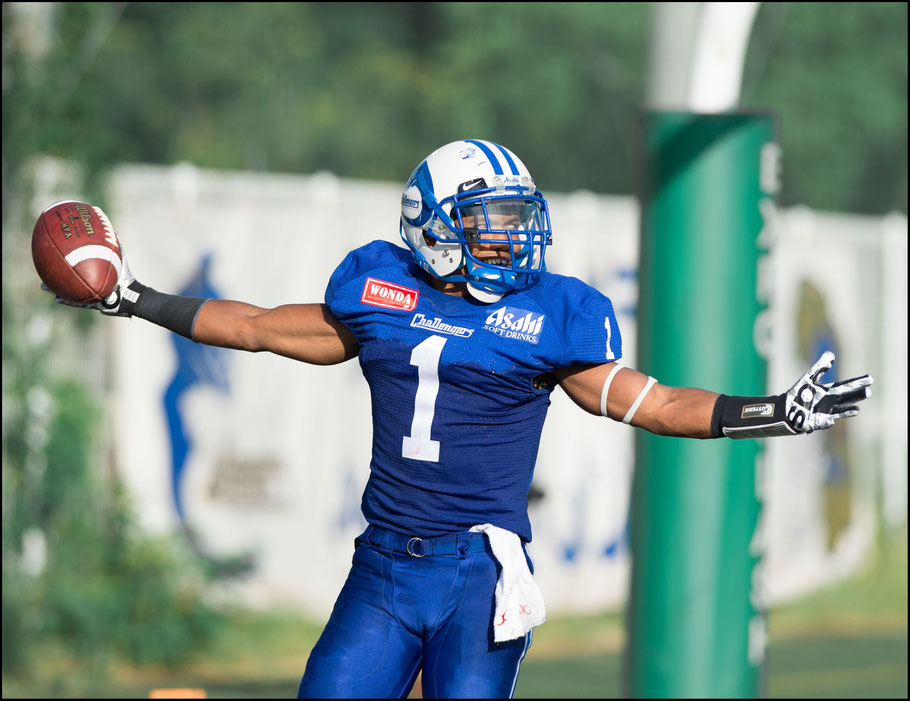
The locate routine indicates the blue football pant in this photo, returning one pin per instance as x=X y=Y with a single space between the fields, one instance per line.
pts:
x=398 y=615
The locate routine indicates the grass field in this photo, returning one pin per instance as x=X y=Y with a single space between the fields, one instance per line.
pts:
x=849 y=641
x=824 y=666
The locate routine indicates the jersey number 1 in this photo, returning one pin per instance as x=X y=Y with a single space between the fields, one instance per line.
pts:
x=419 y=445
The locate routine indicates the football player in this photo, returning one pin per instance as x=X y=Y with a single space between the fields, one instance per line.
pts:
x=462 y=335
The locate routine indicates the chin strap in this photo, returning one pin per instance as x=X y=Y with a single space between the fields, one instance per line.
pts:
x=481 y=296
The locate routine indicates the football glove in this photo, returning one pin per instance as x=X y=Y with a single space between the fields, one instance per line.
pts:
x=809 y=405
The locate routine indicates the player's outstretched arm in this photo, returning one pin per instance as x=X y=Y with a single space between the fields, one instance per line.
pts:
x=631 y=397
x=627 y=395
x=305 y=332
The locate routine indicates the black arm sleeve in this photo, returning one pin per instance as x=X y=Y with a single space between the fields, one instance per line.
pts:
x=175 y=313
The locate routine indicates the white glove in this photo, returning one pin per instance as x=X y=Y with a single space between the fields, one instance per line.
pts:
x=810 y=405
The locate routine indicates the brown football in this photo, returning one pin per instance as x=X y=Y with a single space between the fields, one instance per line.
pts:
x=76 y=251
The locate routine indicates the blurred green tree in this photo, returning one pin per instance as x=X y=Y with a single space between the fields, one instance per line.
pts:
x=366 y=89
x=838 y=80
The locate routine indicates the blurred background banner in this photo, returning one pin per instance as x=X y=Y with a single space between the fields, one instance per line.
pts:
x=242 y=149
x=266 y=459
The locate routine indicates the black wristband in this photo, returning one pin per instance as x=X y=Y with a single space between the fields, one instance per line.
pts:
x=125 y=304
x=749 y=417
x=716 y=416
x=175 y=313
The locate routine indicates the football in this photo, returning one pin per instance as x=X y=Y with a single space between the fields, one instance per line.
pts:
x=76 y=252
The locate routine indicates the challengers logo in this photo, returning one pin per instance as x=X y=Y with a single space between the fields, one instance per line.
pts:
x=411 y=202
x=436 y=324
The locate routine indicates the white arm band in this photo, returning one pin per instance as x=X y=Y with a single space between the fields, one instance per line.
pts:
x=603 y=395
x=641 y=396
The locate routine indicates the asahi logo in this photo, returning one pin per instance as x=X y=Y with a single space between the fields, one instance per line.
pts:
x=755 y=411
x=384 y=294
x=519 y=324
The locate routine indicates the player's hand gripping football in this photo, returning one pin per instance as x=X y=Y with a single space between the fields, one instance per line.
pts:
x=811 y=405
x=116 y=303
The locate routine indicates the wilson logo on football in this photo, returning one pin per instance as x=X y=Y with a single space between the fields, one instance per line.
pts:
x=384 y=294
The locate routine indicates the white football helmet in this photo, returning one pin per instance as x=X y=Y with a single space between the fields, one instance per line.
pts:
x=476 y=193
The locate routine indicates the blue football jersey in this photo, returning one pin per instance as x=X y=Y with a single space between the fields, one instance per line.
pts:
x=456 y=416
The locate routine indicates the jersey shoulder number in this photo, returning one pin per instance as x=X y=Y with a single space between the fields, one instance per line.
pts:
x=584 y=318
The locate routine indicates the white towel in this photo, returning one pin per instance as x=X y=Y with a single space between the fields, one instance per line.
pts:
x=519 y=603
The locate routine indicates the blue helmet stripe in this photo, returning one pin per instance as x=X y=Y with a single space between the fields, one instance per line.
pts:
x=508 y=159
x=494 y=161
x=424 y=182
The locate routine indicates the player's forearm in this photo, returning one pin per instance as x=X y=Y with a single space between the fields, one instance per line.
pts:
x=224 y=323
x=228 y=324
x=677 y=411
x=305 y=332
